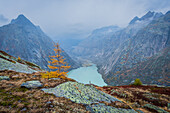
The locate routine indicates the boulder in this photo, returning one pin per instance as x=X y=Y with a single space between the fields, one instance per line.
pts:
x=4 y=78
x=87 y=95
x=32 y=84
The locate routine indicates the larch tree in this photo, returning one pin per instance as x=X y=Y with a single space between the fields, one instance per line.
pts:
x=57 y=64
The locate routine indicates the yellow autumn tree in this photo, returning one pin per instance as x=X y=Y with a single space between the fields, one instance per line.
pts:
x=57 y=64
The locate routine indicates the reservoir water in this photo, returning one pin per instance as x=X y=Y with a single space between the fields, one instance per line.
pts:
x=86 y=75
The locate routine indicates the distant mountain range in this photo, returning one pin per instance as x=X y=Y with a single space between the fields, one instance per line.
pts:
x=141 y=50
x=21 y=38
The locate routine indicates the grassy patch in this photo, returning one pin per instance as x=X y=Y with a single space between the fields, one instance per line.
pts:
x=22 y=89
x=6 y=103
x=2 y=90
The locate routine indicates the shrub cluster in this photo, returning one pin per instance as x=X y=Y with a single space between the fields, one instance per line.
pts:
x=137 y=82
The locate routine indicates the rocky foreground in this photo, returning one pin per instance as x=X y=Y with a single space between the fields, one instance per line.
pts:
x=144 y=99
x=21 y=92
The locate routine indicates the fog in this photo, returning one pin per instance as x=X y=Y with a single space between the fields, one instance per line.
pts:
x=77 y=18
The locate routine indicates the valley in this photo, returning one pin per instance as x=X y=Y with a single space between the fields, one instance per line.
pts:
x=87 y=56
x=140 y=50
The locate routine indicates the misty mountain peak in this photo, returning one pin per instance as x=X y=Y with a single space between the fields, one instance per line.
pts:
x=148 y=16
x=134 y=20
x=21 y=20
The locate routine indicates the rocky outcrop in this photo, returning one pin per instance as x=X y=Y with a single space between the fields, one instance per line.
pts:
x=4 y=78
x=8 y=62
x=21 y=38
x=87 y=95
x=32 y=84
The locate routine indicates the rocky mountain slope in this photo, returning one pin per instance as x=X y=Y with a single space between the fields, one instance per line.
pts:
x=8 y=62
x=22 y=38
x=122 y=56
x=104 y=41
x=93 y=46
x=144 y=56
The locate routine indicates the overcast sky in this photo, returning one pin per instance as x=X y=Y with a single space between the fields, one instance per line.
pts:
x=60 y=18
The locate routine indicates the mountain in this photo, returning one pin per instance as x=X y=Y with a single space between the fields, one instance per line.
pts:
x=148 y=16
x=93 y=46
x=104 y=41
x=144 y=56
x=21 y=38
x=118 y=54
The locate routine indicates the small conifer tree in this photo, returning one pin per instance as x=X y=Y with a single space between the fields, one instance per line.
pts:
x=19 y=59
x=57 y=64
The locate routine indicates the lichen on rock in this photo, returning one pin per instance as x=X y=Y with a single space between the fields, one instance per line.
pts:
x=87 y=95
x=4 y=78
x=32 y=84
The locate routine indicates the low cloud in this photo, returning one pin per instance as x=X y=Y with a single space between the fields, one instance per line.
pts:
x=3 y=20
x=60 y=17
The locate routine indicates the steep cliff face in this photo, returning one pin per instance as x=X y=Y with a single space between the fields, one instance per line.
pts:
x=141 y=56
x=22 y=38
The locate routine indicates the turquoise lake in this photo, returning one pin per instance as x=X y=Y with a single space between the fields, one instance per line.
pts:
x=86 y=75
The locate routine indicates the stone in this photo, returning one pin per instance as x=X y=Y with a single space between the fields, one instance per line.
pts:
x=154 y=108
x=87 y=95
x=24 y=109
x=15 y=76
x=54 y=79
x=101 y=108
x=139 y=111
x=4 y=78
x=168 y=106
x=80 y=93
x=32 y=84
